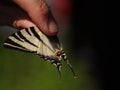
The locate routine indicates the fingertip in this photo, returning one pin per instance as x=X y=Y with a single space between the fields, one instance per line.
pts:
x=48 y=28
x=53 y=27
x=23 y=23
x=49 y=33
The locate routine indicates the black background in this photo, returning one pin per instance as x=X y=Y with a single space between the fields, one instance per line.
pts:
x=97 y=23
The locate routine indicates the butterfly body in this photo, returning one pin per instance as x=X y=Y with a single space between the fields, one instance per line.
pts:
x=34 y=41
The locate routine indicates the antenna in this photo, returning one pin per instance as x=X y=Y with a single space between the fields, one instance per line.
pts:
x=70 y=66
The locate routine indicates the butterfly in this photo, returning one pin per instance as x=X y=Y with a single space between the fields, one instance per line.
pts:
x=33 y=40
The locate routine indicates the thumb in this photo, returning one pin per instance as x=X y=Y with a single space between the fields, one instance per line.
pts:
x=23 y=23
x=40 y=14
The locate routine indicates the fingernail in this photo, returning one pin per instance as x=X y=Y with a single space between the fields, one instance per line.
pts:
x=53 y=27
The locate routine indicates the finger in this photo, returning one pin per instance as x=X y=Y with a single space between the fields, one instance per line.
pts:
x=40 y=15
x=23 y=23
x=14 y=16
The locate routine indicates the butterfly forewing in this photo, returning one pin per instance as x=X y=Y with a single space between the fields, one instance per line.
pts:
x=33 y=40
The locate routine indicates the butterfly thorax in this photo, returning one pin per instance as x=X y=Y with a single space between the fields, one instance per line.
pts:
x=61 y=54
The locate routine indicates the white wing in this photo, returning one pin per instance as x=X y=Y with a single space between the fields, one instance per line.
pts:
x=51 y=42
x=33 y=40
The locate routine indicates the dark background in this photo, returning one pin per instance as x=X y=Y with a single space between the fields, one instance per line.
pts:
x=96 y=24
x=89 y=32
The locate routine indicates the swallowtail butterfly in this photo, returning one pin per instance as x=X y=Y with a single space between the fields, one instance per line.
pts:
x=33 y=40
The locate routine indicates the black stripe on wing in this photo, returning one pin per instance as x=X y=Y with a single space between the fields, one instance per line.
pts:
x=17 y=37
x=26 y=29
x=9 y=41
x=35 y=34
x=11 y=44
x=38 y=37
x=22 y=37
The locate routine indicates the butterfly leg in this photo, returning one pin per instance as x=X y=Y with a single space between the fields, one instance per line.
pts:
x=57 y=63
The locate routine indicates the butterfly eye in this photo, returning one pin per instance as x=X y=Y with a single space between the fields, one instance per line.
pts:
x=58 y=54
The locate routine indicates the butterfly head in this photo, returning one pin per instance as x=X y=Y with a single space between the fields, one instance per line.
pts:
x=62 y=55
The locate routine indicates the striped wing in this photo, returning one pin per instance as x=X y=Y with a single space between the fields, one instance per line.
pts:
x=33 y=40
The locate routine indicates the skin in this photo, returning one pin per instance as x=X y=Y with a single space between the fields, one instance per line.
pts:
x=27 y=13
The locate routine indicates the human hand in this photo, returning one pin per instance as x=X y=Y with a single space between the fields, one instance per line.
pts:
x=27 y=13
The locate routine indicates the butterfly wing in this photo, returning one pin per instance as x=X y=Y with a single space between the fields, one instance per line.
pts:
x=51 y=42
x=22 y=40
x=33 y=40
